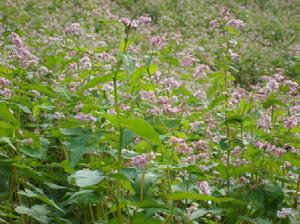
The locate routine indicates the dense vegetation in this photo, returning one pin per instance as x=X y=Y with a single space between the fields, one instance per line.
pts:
x=148 y=112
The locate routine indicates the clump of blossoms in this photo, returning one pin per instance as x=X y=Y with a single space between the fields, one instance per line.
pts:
x=188 y=59
x=203 y=187
x=158 y=41
x=74 y=30
x=226 y=19
x=201 y=71
x=21 y=52
x=134 y=23
x=4 y=91
x=264 y=122
x=236 y=23
x=85 y=63
x=181 y=146
x=148 y=96
x=270 y=148
x=85 y=117
x=284 y=213
x=142 y=160
x=291 y=122
x=237 y=95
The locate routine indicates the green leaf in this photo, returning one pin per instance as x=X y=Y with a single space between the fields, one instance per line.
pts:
x=38 y=212
x=86 y=177
x=96 y=81
x=44 y=89
x=6 y=114
x=41 y=197
x=141 y=128
x=234 y=119
x=8 y=142
x=136 y=125
x=292 y=158
x=129 y=62
x=200 y=197
x=216 y=102
x=273 y=101
x=223 y=143
x=24 y=108
x=137 y=75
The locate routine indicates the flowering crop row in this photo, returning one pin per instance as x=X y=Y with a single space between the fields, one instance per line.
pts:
x=121 y=126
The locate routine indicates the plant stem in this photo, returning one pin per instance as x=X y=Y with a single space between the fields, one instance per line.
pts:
x=117 y=110
x=142 y=185
x=92 y=213
x=297 y=192
x=228 y=135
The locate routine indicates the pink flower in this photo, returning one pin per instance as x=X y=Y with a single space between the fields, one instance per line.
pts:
x=200 y=94
x=29 y=141
x=145 y=19
x=224 y=12
x=7 y=93
x=188 y=60
x=4 y=82
x=129 y=23
x=22 y=53
x=59 y=115
x=16 y=40
x=291 y=122
x=85 y=117
x=200 y=71
x=148 y=96
x=158 y=41
x=284 y=213
x=175 y=140
x=213 y=24
x=171 y=83
x=236 y=23
x=74 y=30
x=142 y=160
x=204 y=187
x=163 y=100
x=234 y=56
x=85 y=63
x=201 y=145
x=264 y=122
x=108 y=87
x=272 y=85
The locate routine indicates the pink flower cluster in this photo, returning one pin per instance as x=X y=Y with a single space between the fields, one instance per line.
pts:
x=181 y=146
x=270 y=148
x=4 y=82
x=264 y=122
x=236 y=23
x=188 y=59
x=142 y=160
x=237 y=95
x=21 y=52
x=200 y=71
x=136 y=22
x=201 y=145
x=59 y=115
x=203 y=187
x=74 y=30
x=148 y=96
x=85 y=117
x=6 y=92
x=228 y=18
x=158 y=41
x=284 y=213
x=291 y=122
x=171 y=83
x=85 y=63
